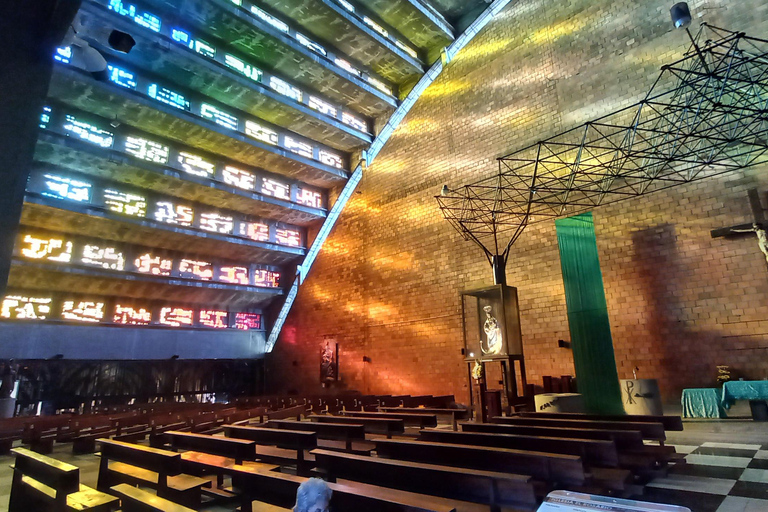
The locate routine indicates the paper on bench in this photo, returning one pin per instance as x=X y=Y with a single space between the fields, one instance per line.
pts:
x=567 y=501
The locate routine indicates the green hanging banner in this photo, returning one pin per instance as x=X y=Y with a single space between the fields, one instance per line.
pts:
x=596 y=375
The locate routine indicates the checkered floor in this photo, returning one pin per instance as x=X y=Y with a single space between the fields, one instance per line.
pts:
x=717 y=477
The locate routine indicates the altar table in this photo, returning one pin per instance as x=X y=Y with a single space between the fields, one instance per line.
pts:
x=702 y=403
x=743 y=390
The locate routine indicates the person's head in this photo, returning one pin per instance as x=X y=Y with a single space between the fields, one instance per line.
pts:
x=314 y=495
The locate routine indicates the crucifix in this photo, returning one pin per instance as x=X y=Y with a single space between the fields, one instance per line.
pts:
x=757 y=226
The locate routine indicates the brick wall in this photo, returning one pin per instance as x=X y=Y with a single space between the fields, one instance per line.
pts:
x=386 y=285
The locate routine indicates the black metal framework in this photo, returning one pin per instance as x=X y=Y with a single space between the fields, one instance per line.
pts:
x=713 y=119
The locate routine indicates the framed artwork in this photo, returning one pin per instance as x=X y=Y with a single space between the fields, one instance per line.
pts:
x=329 y=361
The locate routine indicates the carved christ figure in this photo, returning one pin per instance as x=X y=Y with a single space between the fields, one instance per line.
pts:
x=762 y=239
x=492 y=332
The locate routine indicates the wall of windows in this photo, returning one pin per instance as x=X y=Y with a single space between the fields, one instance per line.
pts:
x=240 y=64
x=128 y=202
x=189 y=162
x=34 y=305
x=69 y=250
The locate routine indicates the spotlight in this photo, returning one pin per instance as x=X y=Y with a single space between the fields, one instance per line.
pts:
x=444 y=191
x=681 y=15
x=121 y=41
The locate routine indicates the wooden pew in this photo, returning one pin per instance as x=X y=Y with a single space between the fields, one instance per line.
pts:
x=418 y=420
x=140 y=465
x=651 y=431
x=593 y=452
x=387 y=426
x=550 y=467
x=280 y=489
x=240 y=450
x=289 y=412
x=334 y=431
x=455 y=414
x=41 y=483
x=670 y=422
x=134 y=499
x=624 y=439
x=40 y=431
x=283 y=439
x=11 y=429
x=478 y=486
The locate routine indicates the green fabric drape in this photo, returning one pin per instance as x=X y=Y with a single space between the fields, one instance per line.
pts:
x=591 y=340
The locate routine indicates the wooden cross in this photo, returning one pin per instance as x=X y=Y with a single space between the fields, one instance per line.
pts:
x=756 y=227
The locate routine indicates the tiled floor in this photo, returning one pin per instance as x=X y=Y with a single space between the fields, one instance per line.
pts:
x=726 y=468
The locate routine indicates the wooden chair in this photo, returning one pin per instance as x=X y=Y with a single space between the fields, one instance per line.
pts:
x=41 y=483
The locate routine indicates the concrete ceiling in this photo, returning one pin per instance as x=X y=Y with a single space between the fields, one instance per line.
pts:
x=411 y=22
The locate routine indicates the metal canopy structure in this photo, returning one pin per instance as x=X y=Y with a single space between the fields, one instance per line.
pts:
x=712 y=120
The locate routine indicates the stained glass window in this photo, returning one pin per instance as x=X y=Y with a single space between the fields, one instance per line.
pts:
x=354 y=122
x=289 y=237
x=238 y=178
x=296 y=146
x=347 y=66
x=311 y=44
x=104 y=256
x=217 y=223
x=183 y=37
x=42 y=248
x=375 y=26
x=266 y=278
x=45 y=117
x=62 y=187
x=125 y=203
x=309 y=197
x=89 y=132
x=285 y=88
x=232 y=274
x=121 y=77
x=204 y=49
x=82 y=311
x=170 y=213
x=218 y=116
x=380 y=85
x=331 y=159
x=147 y=150
x=274 y=188
x=196 y=165
x=213 y=318
x=193 y=269
x=63 y=54
x=254 y=230
x=17 y=307
x=348 y=6
x=176 y=316
x=251 y=72
x=407 y=49
x=167 y=96
x=155 y=265
x=322 y=106
x=279 y=25
x=145 y=19
x=261 y=133
x=130 y=315
x=246 y=321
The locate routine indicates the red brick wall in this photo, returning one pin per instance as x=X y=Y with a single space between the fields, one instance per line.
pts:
x=386 y=285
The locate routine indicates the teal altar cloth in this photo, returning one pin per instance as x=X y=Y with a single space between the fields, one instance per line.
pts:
x=743 y=390
x=702 y=403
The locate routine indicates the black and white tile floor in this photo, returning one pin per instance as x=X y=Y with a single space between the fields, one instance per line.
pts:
x=717 y=477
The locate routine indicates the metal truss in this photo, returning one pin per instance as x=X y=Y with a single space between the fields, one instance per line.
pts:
x=714 y=119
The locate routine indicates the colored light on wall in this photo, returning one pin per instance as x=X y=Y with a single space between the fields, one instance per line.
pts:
x=196 y=269
x=266 y=278
x=343 y=64
x=62 y=187
x=238 y=178
x=218 y=116
x=175 y=316
x=233 y=275
x=311 y=44
x=261 y=133
x=196 y=165
x=145 y=19
x=147 y=149
x=285 y=88
x=298 y=147
x=89 y=132
x=271 y=20
x=309 y=198
x=289 y=237
x=155 y=265
x=177 y=214
x=106 y=257
x=331 y=159
x=251 y=72
x=17 y=307
x=217 y=223
x=254 y=230
x=274 y=188
x=82 y=311
x=214 y=319
x=125 y=203
x=247 y=321
x=51 y=249
x=322 y=106
x=168 y=96
x=121 y=77
x=129 y=315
